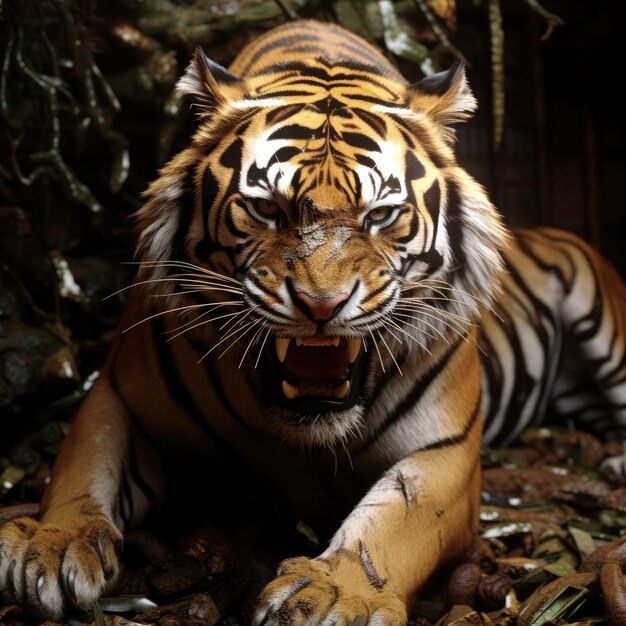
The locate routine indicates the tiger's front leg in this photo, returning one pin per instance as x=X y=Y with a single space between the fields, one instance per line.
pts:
x=70 y=557
x=421 y=513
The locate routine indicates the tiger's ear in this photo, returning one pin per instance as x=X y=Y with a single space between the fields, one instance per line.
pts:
x=208 y=83
x=445 y=97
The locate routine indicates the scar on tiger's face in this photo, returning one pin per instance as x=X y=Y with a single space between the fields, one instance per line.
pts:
x=324 y=226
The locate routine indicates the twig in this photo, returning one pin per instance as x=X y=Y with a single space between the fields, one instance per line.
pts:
x=552 y=20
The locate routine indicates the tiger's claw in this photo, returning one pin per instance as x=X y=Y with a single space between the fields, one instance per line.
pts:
x=311 y=592
x=55 y=568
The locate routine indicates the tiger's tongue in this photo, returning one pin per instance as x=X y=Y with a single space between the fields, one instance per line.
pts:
x=317 y=362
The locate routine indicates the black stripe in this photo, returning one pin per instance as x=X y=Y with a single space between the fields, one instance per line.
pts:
x=375 y=122
x=523 y=382
x=295 y=131
x=277 y=43
x=413 y=167
x=413 y=397
x=454 y=440
x=492 y=369
x=406 y=489
x=265 y=92
x=374 y=293
x=381 y=305
x=128 y=496
x=175 y=387
x=368 y=567
x=186 y=214
x=413 y=227
x=432 y=202
x=524 y=244
x=455 y=229
x=280 y=114
x=218 y=387
x=115 y=386
x=361 y=141
x=139 y=481
x=259 y=285
x=595 y=314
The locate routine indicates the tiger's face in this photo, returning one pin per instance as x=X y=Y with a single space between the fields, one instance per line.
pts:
x=337 y=208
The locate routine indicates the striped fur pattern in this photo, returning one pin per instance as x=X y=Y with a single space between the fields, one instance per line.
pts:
x=318 y=273
x=555 y=341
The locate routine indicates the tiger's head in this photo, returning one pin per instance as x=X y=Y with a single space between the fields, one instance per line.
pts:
x=320 y=222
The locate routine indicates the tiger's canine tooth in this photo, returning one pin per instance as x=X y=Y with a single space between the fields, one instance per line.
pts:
x=282 y=345
x=290 y=391
x=354 y=347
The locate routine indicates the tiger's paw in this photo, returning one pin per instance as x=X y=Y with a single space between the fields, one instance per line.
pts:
x=319 y=593
x=48 y=569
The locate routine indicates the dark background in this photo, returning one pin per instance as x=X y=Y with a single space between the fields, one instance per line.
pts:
x=562 y=161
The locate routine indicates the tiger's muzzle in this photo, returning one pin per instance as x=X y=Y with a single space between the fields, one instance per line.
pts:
x=313 y=374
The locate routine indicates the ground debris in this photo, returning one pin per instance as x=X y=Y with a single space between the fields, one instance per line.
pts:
x=198 y=609
x=551 y=542
x=551 y=528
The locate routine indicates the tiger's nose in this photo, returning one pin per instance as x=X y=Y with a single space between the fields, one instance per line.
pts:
x=321 y=309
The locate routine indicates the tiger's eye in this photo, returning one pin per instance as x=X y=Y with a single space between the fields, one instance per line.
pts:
x=375 y=216
x=267 y=208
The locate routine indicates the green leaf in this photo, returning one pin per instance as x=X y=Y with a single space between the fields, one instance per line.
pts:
x=98 y=616
x=583 y=540
x=308 y=532
x=359 y=620
x=560 y=568
x=558 y=607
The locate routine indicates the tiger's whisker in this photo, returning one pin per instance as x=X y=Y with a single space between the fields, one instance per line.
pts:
x=252 y=341
x=439 y=284
x=405 y=316
x=393 y=358
x=183 y=330
x=411 y=337
x=396 y=325
x=398 y=339
x=424 y=306
x=188 y=307
x=409 y=315
x=204 y=280
x=195 y=283
x=240 y=334
x=232 y=324
x=184 y=265
x=184 y=293
x=436 y=299
x=439 y=287
x=448 y=321
x=234 y=320
x=445 y=286
x=160 y=280
x=382 y=365
x=267 y=334
x=453 y=329
x=232 y=332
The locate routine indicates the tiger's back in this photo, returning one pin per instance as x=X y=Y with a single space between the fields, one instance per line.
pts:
x=554 y=343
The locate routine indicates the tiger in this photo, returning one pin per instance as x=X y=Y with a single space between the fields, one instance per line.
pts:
x=328 y=301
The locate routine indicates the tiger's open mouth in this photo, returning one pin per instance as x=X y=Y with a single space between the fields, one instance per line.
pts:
x=316 y=373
